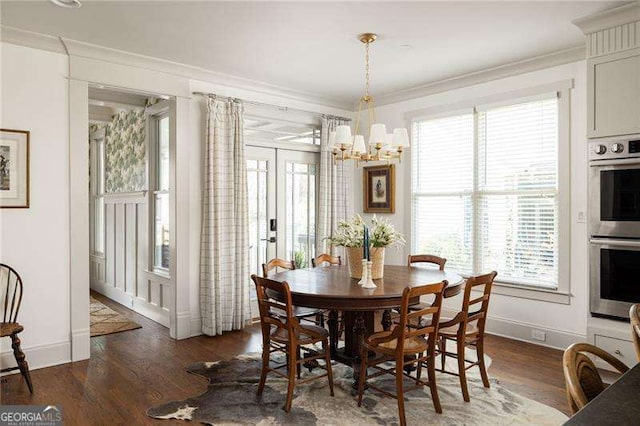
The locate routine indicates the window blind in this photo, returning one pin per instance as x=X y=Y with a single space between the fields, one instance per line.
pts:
x=442 y=187
x=485 y=191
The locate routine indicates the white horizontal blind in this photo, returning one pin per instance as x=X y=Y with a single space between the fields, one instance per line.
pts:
x=485 y=191
x=442 y=181
x=518 y=192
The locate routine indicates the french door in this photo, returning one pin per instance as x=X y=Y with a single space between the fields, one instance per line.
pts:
x=282 y=187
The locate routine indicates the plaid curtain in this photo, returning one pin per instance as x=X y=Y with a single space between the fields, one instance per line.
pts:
x=224 y=253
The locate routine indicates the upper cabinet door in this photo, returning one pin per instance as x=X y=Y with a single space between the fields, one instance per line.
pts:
x=614 y=94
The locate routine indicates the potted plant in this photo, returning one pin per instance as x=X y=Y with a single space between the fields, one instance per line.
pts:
x=350 y=235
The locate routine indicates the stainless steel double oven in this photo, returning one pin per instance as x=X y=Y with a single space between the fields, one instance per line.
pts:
x=614 y=225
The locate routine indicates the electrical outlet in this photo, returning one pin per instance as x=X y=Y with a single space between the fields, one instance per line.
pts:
x=538 y=335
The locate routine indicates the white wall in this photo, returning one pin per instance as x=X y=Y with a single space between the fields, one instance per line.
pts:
x=515 y=316
x=35 y=241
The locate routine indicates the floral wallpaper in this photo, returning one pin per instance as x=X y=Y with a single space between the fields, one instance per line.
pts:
x=125 y=151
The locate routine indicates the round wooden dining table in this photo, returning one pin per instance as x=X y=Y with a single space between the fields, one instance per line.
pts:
x=332 y=288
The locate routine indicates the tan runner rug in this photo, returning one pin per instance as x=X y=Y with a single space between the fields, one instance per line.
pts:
x=105 y=320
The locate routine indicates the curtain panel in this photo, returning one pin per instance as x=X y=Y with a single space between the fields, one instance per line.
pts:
x=335 y=195
x=224 y=253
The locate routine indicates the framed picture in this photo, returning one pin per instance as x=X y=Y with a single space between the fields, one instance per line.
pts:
x=379 y=189
x=14 y=168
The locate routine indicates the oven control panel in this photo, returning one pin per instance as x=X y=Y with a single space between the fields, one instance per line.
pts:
x=615 y=148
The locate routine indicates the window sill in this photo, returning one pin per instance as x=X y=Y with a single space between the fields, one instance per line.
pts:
x=159 y=275
x=541 y=294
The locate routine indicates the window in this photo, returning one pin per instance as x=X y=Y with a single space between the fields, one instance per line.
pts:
x=97 y=191
x=268 y=131
x=160 y=192
x=485 y=190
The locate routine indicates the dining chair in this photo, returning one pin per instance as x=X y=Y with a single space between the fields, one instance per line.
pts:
x=315 y=316
x=324 y=257
x=429 y=259
x=281 y=332
x=11 y=285
x=402 y=346
x=331 y=260
x=467 y=329
x=634 y=315
x=582 y=380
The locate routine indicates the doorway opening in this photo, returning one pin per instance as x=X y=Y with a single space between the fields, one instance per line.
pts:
x=129 y=205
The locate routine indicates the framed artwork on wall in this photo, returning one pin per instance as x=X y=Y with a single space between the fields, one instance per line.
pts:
x=379 y=189
x=14 y=168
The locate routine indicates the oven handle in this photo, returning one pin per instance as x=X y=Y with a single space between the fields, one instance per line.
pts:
x=615 y=242
x=618 y=162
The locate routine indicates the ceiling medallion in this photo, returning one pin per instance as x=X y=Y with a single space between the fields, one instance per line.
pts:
x=381 y=146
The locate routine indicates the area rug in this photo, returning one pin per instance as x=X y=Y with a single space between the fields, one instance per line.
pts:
x=231 y=399
x=105 y=320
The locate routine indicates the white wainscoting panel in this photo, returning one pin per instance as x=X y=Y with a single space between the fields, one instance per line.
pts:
x=121 y=274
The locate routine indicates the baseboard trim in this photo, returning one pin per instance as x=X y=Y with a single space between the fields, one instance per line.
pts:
x=39 y=356
x=80 y=344
x=196 y=326
x=183 y=325
x=517 y=330
x=159 y=315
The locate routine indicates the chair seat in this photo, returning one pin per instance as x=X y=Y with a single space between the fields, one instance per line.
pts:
x=452 y=331
x=412 y=345
x=315 y=334
x=10 y=328
x=301 y=312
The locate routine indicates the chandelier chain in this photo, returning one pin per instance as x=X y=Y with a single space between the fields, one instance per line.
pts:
x=366 y=73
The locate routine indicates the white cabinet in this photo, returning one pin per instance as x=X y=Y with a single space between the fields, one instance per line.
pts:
x=614 y=94
x=614 y=337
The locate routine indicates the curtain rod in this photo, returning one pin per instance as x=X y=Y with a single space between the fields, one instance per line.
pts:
x=281 y=108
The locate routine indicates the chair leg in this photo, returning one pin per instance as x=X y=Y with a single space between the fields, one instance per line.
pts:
x=21 y=360
x=431 y=370
x=481 y=365
x=400 y=389
x=265 y=365
x=327 y=360
x=320 y=319
x=298 y=364
x=462 y=372
x=443 y=352
x=292 y=376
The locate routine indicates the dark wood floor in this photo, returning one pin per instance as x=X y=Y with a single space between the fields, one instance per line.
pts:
x=131 y=371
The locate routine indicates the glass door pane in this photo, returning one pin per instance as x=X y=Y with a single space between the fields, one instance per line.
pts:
x=261 y=182
x=298 y=205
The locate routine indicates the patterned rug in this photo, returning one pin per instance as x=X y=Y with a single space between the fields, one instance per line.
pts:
x=105 y=320
x=231 y=399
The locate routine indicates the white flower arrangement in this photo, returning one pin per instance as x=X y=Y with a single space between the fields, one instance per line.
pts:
x=350 y=233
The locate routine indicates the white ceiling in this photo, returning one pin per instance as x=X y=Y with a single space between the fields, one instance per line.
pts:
x=312 y=47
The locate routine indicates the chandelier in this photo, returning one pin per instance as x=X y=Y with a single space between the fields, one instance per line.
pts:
x=382 y=146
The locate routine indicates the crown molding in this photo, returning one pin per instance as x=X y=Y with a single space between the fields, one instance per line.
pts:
x=609 y=18
x=91 y=51
x=561 y=57
x=30 y=39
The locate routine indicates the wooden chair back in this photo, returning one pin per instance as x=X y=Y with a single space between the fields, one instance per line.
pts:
x=582 y=380
x=324 y=257
x=476 y=309
x=634 y=315
x=430 y=315
x=274 y=304
x=277 y=263
x=10 y=293
x=427 y=258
